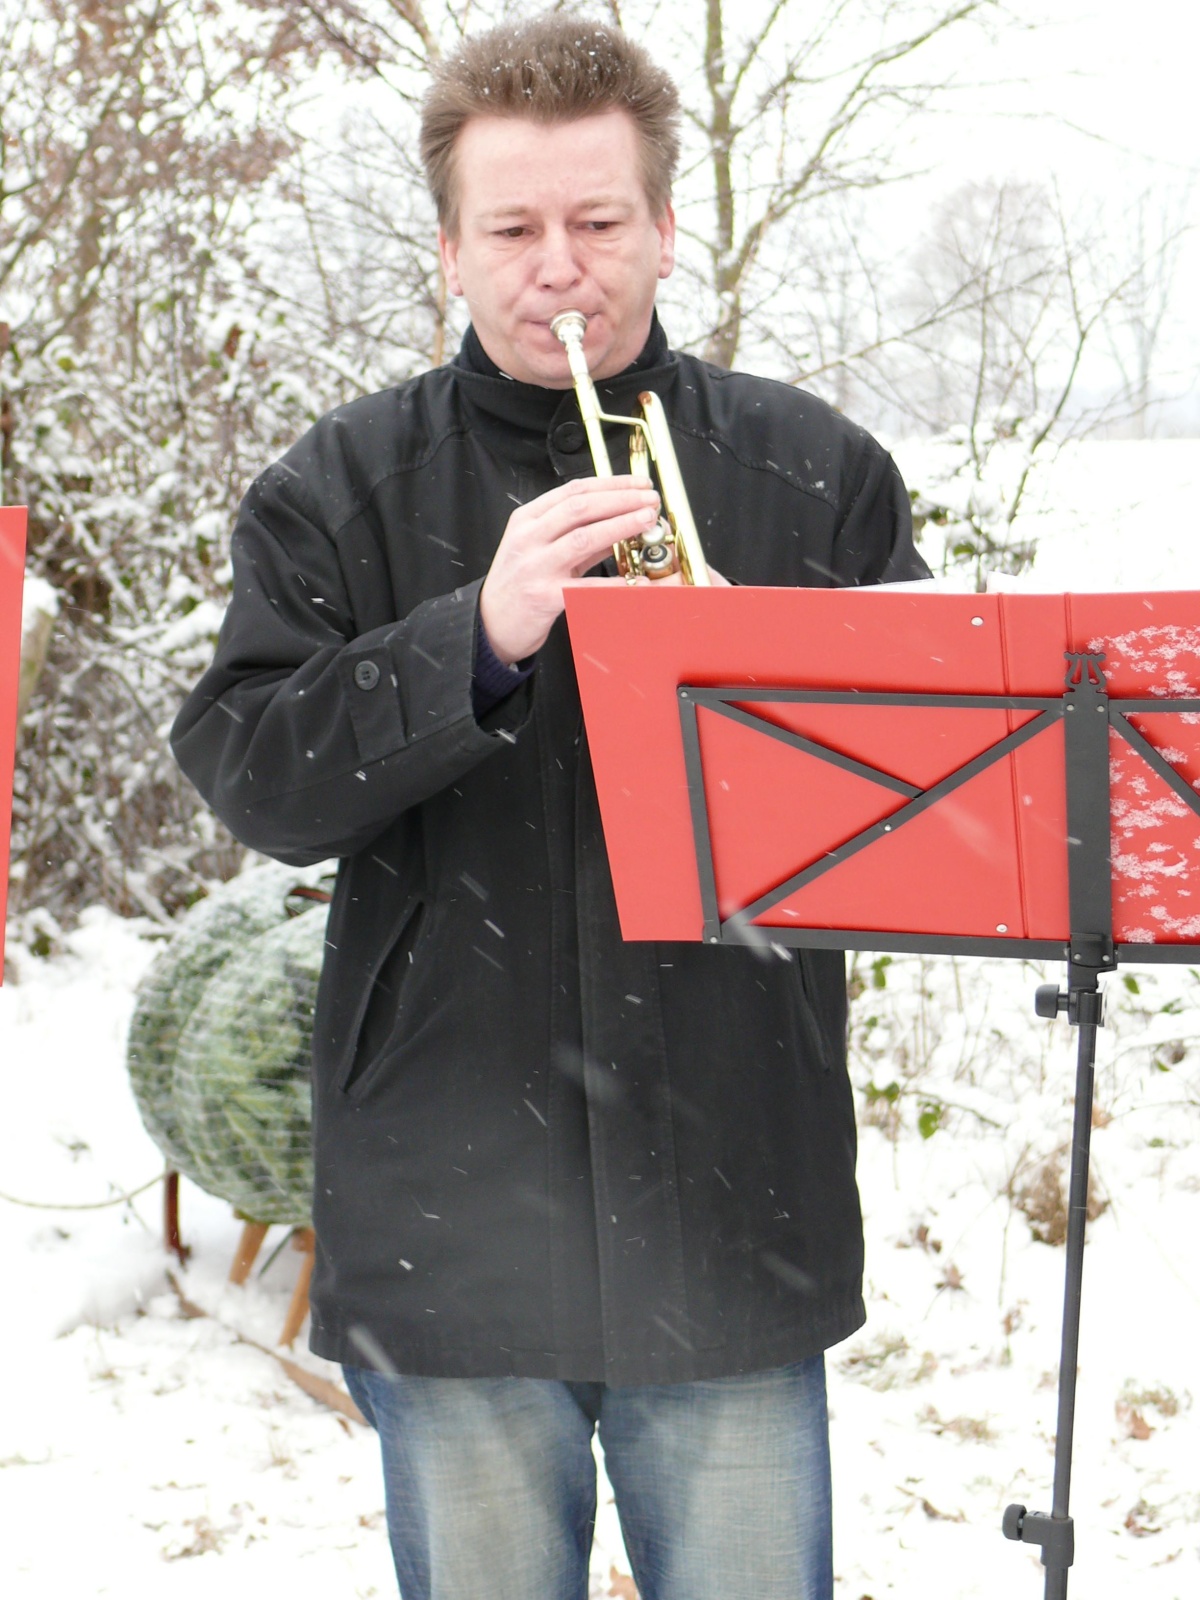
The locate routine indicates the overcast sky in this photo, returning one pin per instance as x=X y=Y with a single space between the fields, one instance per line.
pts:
x=1124 y=72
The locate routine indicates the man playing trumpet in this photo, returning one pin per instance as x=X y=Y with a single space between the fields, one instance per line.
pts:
x=563 y=1183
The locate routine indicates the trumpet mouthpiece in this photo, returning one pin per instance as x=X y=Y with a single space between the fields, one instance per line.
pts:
x=568 y=325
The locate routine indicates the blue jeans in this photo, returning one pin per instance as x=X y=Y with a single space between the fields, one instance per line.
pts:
x=722 y=1486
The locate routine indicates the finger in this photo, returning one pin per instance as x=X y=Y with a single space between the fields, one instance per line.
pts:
x=589 y=485
x=581 y=489
x=590 y=499
x=581 y=546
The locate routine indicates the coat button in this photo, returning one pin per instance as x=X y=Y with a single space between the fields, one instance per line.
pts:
x=569 y=437
x=366 y=674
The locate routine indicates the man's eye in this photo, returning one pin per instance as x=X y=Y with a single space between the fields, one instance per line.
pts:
x=517 y=231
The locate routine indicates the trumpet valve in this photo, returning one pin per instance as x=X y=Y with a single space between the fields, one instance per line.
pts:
x=656 y=555
x=653 y=555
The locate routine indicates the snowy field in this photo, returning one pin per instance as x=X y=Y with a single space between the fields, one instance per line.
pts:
x=151 y=1445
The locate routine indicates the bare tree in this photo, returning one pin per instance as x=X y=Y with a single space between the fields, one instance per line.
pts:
x=1148 y=242
x=800 y=106
x=1015 y=295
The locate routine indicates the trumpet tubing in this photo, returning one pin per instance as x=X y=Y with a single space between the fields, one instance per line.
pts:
x=674 y=544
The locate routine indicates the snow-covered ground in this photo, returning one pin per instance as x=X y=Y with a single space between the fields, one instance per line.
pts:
x=147 y=1450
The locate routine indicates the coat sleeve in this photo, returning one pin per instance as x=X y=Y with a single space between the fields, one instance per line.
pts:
x=306 y=737
x=874 y=537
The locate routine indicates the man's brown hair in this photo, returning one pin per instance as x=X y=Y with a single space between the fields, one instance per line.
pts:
x=550 y=68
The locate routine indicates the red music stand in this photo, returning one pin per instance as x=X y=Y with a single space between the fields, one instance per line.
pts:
x=892 y=769
x=12 y=571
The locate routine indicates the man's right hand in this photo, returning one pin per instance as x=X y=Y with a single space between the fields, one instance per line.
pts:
x=557 y=537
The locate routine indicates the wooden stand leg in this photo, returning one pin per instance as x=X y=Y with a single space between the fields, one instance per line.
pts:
x=302 y=1239
x=249 y=1245
x=171 y=1237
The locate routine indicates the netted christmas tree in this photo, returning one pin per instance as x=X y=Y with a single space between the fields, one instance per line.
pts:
x=220 y=1043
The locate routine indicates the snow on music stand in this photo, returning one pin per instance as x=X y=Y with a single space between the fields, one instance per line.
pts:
x=898 y=769
x=12 y=570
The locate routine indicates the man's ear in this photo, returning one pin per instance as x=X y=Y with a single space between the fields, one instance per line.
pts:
x=666 y=234
x=448 y=251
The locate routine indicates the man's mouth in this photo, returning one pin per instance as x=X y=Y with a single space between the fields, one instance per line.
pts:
x=544 y=322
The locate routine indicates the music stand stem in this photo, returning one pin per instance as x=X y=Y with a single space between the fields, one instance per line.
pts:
x=1091 y=952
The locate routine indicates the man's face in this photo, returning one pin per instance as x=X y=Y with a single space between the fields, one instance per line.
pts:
x=554 y=218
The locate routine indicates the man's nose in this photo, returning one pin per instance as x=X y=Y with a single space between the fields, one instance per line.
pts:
x=558 y=265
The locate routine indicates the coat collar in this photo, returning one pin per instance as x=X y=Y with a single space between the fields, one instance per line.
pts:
x=526 y=421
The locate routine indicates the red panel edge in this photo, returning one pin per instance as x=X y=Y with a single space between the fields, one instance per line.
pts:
x=13 y=520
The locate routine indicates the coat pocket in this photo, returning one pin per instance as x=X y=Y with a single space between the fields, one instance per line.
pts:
x=382 y=1008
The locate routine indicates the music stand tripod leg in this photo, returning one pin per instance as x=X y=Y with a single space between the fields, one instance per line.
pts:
x=1056 y=1533
x=1090 y=1018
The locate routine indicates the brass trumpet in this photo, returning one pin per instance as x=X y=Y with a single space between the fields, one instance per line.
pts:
x=673 y=545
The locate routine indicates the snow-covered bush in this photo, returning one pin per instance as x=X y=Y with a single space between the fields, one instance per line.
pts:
x=146 y=371
x=968 y=485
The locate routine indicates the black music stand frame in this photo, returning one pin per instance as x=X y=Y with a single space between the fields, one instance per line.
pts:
x=1087 y=714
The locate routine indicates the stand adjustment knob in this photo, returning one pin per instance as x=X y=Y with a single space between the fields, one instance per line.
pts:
x=1048 y=1001
x=1014 y=1516
x=1055 y=1535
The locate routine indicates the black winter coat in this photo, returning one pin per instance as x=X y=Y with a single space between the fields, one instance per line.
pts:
x=540 y=1151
